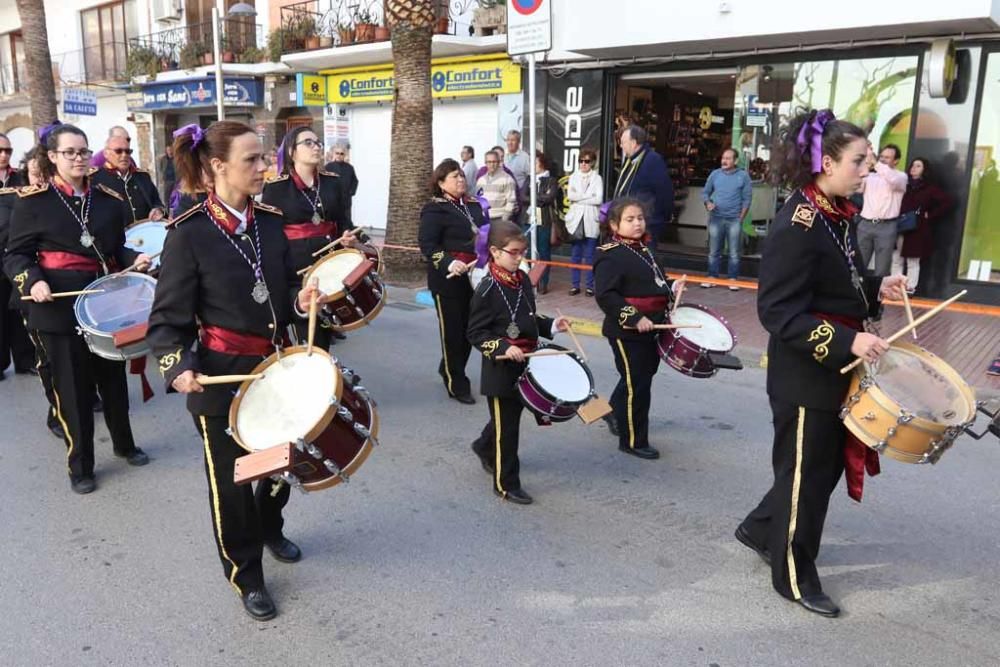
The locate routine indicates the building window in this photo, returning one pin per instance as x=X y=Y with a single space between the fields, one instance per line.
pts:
x=106 y=30
x=13 y=72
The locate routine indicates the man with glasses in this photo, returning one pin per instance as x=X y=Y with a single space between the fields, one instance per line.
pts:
x=499 y=189
x=348 y=177
x=9 y=177
x=135 y=185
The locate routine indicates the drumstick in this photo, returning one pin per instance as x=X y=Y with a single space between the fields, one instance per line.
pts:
x=328 y=246
x=225 y=379
x=541 y=353
x=56 y=295
x=136 y=263
x=569 y=330
x=312 y=324
x=471 y=265
x=909 y=327
x=909 y=312
x=680 y=291
x=670 y=326
x=304 y=271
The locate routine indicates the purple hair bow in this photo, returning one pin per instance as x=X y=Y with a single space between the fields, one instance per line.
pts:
x=811 y=137
x=197 y=134
x=43 y=133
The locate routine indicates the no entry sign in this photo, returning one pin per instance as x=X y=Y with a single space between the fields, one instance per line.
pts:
x=529 y=26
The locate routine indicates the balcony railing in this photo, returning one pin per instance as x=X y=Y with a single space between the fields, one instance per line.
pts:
x=190 y=46
x=13 y=80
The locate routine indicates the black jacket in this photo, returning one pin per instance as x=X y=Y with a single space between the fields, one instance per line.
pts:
x=804 y=276
x=186 y=201
x=42 y=221
x=444 y=230
x=488 y=321
x=139 y=192
x=620 y=272
x=204 y=280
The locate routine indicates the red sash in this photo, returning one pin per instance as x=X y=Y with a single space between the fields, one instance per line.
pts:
x=237 y=343
x=67 y=261
x=526 y=344
x=464 y=257
x=309 y=230
x=648 y=305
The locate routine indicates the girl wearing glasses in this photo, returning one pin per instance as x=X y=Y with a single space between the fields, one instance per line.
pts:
x=64 y=234
x=135 y=185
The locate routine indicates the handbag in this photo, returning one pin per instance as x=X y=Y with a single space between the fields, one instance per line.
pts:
x=907 y=222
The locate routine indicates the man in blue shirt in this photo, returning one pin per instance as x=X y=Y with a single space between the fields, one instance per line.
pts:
x=727 y=196
x=644 y=175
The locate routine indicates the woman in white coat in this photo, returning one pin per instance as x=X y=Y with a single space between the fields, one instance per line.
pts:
x=586 y=192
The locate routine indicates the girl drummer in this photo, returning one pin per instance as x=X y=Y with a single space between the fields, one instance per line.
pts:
x=504 y=325
x=64 y=234
x=814 y=295
x=634 y=295
x=228 y=281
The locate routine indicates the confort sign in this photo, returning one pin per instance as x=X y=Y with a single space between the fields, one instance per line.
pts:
x=448 y=79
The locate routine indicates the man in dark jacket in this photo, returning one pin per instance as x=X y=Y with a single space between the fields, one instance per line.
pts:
x=644 y=175
x=341 y=167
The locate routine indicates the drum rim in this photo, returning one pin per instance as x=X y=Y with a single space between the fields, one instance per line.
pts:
x=546 y=394
x=367 y=319
x=335 y=296
x=678 y=333
x=77 y=304
x=363 y=452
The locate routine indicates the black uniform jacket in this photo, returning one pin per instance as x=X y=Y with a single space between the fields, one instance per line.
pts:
x=138 y=191
x=187 y=200
x=205 y=281
x=804 y=278
x=7 y=198
x=488 y=321
x=284 y=193
x=622 y=273
x=444 y=230
x=41 y=222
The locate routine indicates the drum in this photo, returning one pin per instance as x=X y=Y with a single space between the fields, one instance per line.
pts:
x=311 y=402
x=148 y=237
x=689 y=350
x=553 y=387
x=113 y=323
x=374 y=253
x=354 y=292
x=910 y=405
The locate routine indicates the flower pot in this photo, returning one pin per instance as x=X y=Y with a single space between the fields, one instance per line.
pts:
x=381 y=33
x=325 y=42
x=228 y=57
x=312 y=42
x=207 y=59
x=346 y=36
x=365 y=32
x=441 y=27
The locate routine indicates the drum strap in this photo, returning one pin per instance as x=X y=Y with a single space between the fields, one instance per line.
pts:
x=67 y=261
x=237 y=343
x=308 y=230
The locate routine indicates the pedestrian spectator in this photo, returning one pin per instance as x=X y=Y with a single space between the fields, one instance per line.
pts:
x=644 y=176
x=499 y=189
x=344 y=169
x=168 y=175
x=546 y=218
x=883 y=190
x=586 y=192
x=727 y=195
x=499 y=151
x=929 y=203
x=469 y=167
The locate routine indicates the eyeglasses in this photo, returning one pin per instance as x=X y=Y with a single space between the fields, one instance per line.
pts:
x=311 y=143
x=339 y=153
x=121 y=151
x=586 y=161
x=8 y=151
x=72 y=154
x=515 y=253
x=492 y=162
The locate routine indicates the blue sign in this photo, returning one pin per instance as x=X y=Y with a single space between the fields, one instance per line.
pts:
x=198 y=93
x=80 y=102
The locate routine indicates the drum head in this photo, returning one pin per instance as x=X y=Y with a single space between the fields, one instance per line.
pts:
x=713 y=335
x=147 y=237
x=294 y=396
x=126 y=300
x=333 y=270
x=561 y=376
x=922 y=385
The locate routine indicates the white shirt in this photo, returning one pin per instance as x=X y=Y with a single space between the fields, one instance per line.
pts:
x=242 y=217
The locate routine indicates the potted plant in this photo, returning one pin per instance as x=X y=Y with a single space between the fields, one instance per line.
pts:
x=345 y=32
x=490 y=17
x=382 y=33
x=252 y=54
x=326 y=29
x=190 y=55
x=207 y=58
x=364 y=21
x=276 y=41
x=142 y=61
x=309 y=33
x=441 y=27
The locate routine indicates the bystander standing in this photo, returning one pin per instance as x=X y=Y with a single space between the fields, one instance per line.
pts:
x=883 y=194
x=727 y=195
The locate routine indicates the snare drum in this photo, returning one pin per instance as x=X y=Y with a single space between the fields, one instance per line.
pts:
x=311 y=402
x=687 y=350
x=354 y=292
x=373 y=253
x=553 y=387
x=910 y=405
x=147 y=237
x=113 y=323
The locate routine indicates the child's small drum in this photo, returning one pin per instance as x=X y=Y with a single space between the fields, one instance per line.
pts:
x=554 y=387
x=688 y=350
x=354 y=292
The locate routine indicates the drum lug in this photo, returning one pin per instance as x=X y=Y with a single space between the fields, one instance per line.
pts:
x=335 y=469
x=292 y=480
x=349 y=299
x=881 y=446
x=361 y=430
x=374 y=441
x=345 y=414
x=229 y=432
x=868 y=416
x=360 y=312
x=904 y=417
x=314 y=451
x=867 y=382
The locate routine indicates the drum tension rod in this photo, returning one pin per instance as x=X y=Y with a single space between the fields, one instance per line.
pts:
x=335 y=469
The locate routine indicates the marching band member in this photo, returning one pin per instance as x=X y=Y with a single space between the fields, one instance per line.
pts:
x=449 y=225
x=503 y=323
x=814 y=294
x=65 y=234
x=134 y=185
x=228 y=282
x=634 y=295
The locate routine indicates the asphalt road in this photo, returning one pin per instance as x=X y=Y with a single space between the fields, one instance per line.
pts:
x=415 y=562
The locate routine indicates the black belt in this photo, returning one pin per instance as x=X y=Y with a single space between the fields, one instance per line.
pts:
x=875 y=221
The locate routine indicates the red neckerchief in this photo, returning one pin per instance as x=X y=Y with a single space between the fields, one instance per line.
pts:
x=636 y=244
x=67 y=188
x=839 y=210
x=300 y=184
x=218 y=212
x=511 y=279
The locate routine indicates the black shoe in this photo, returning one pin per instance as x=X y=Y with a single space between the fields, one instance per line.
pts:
x=612 y=424
x=465 y=399
x=484 y=461
x=574 y=291
x=98 y=405
x=259 y=604
x=2 y=376
x=516 y=496
x=284 y=550
x=55 y=428
x=820 y=604
x=136 y=457
x=744 y=538
x=82 y=485
x=646 y=452
x=337 y=335
x=30 y=370
x=589 y=292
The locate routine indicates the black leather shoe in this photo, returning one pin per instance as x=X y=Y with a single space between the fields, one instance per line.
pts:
x=744 y=538
x=516 y=496
x=338 y=335
x=26 y=371
x=259 y=605
x=55 y=428
x=820 y=604
x=284 y=550
x=641 y=452
x=82 y=485
x=465 y=399
x=612 y=424
x=484 y=461
x=136 y=457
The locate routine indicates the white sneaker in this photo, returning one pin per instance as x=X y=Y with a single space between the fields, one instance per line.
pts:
x=706 y=285
x=734 y=288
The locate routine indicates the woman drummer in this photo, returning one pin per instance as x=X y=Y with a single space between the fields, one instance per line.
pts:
x=64 y=234
x=228 y=282
x=449 y=225
x=634 y=295
x=814 y=295
x=313 y=203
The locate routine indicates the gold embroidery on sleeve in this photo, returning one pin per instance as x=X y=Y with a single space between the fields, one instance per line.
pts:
x=824 y=334
x=489 y=347
x=626 y=312
x=168 y=361
x=19 y=280
x=436 y=258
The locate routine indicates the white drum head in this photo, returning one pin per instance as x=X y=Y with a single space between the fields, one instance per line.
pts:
x=713 y=334
x=288 y=402
x=147 y=237
x=333 y=270
x=920 y=388
x=561 y=376
x=126 y=300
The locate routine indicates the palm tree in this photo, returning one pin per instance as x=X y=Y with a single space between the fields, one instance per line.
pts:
x=41 y=85
x=412 y=26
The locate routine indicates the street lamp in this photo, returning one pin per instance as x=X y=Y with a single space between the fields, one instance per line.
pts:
x=240 y=9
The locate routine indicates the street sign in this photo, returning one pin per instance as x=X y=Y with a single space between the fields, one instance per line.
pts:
x=80 y=102
x=529 y=26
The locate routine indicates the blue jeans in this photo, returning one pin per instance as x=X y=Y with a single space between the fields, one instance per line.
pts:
x=583 y=253
x=728 y=230
x=544 y=251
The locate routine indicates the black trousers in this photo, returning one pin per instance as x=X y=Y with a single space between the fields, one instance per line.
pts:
x=75 y=372
x=322 y=339
x=808 y=459
x=44 y=373
x=453 y=322
x=498 y=441
x=242 y=518
x=637 y=362
x=14 y=342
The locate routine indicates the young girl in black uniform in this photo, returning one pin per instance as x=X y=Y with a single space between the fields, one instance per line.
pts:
x=813 y=297
x=227 y=281
x=634 y=295
x=504 y=326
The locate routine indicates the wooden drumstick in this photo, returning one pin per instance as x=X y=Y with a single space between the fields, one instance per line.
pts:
x=471 y=265
x=225 y=379
x=136 y=263
x=56 y=295
x=909 y=327
x=328 y=246
x=909 y=312
x=312 y=323
x=569 y=330
x=677 y=297
x=540 y=353
x=670 y=326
